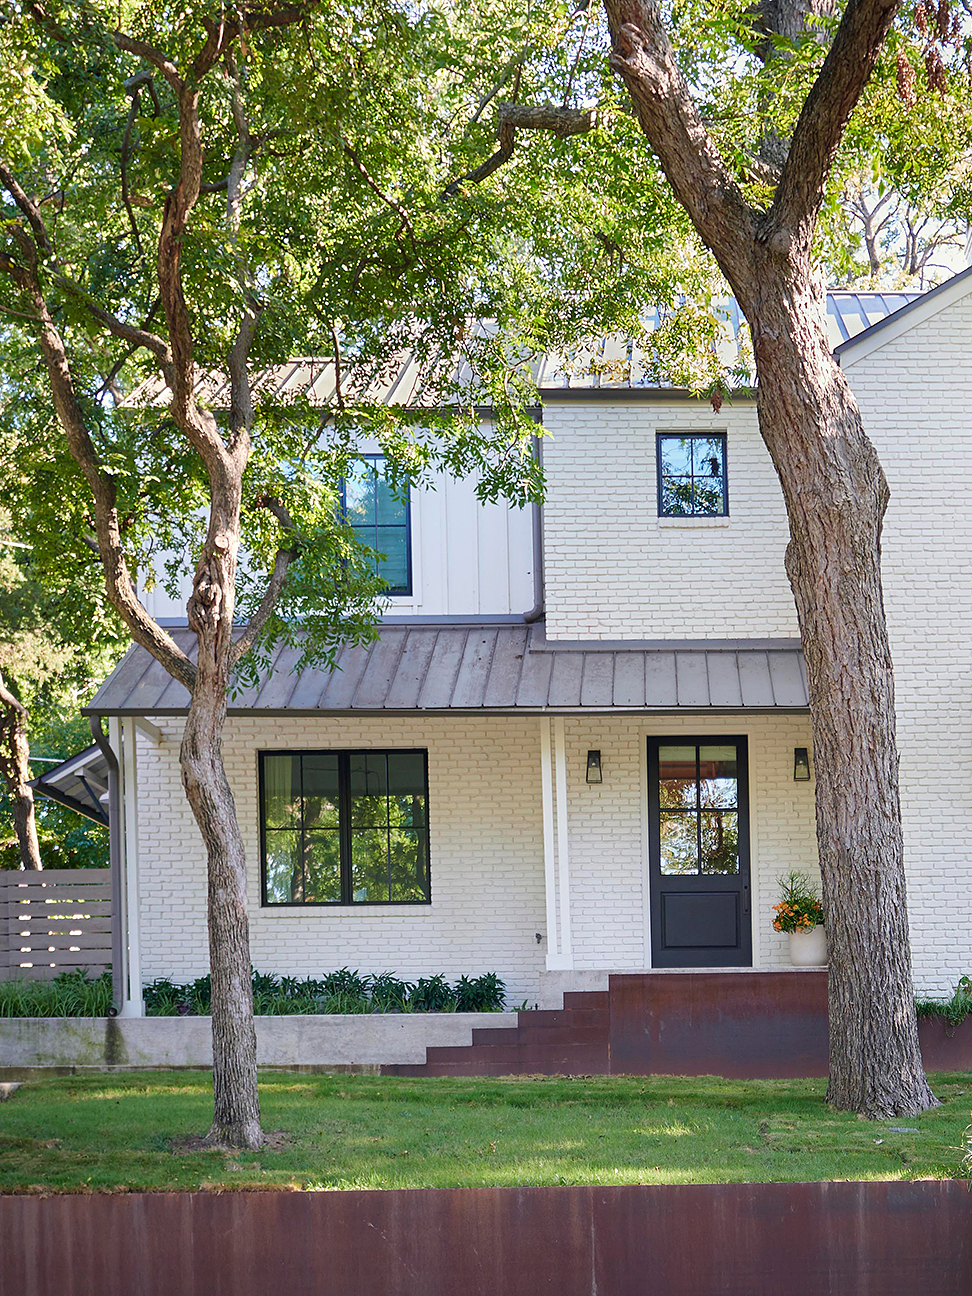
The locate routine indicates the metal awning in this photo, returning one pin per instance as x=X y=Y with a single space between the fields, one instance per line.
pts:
x=80 y=783
x=488 y=667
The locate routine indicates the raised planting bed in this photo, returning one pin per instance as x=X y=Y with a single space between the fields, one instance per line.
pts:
x=324 y=1041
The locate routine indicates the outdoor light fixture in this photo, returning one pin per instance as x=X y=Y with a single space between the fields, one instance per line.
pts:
x=801 y=765
x=594 y=767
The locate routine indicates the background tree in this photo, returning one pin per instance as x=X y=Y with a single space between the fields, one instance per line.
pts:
x=57 y=638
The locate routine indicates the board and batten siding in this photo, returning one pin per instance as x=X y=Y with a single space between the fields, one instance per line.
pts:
x=468 y=558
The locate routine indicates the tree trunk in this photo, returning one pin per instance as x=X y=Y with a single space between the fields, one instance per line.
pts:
x=236 y=1117
x=15 y=768
x=836 y=496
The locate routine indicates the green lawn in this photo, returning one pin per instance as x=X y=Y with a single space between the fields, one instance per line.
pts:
x=111 y=1131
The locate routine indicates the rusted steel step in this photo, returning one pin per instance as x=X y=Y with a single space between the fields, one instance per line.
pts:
x=563 y=1017
x=575 y=999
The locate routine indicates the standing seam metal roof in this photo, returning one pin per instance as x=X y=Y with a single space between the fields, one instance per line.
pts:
x=488 y=667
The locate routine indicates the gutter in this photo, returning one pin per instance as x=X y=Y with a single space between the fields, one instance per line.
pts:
x=537 y=611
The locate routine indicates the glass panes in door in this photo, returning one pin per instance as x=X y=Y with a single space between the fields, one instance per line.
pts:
x=698 y=805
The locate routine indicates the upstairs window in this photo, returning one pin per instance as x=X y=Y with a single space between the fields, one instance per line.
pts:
x=344 y=827
x=380 y=518
x=692 y=475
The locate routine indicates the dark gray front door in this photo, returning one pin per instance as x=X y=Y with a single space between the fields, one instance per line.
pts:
x=698 y=867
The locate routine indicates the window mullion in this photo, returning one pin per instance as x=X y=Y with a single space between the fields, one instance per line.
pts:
x=344 y=823
x=698 y=806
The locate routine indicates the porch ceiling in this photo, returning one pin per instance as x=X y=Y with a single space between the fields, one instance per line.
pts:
x=490 y=667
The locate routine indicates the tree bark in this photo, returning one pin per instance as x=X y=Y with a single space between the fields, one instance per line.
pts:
x=15 y=768
x=836 y=496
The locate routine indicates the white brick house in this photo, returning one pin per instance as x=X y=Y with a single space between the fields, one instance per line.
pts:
x=518 y=653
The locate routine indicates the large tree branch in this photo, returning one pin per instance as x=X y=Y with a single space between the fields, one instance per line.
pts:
x=825 y=114
x=135 y=336
x=701 y=180
x=278 y=577
x=121 y=587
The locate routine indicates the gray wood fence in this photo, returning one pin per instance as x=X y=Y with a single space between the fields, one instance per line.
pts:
x=54 y=920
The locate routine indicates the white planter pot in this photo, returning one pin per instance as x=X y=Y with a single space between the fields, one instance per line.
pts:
x=809 y=948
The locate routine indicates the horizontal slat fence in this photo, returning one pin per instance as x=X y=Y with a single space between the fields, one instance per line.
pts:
x=54 y=920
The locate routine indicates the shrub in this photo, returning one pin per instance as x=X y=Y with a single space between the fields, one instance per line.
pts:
x=483 y=994
x=73 y=994
x=389 y=994
x=432 y=994
x=954 y=1010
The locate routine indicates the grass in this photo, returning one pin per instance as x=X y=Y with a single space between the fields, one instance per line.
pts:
x=121 y=1132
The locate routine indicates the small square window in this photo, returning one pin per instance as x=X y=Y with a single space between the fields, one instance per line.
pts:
x=692 y=475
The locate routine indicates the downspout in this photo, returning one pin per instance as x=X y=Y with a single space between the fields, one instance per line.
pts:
x=115 y=863
x=537 y=611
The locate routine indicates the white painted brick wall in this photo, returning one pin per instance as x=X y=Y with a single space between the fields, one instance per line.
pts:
x=608 y=829
x=486 y=851
x=486 y=857
x=915 y=394
x=614 y=569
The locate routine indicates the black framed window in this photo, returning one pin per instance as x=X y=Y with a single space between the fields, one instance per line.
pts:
x=692 y=475
x=380 y=517
x=345 y=827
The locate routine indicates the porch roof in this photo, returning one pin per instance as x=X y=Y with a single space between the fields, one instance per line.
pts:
x=80 y=782
x=489 y=667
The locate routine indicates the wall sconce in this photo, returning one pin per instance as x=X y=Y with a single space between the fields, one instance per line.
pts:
x=594 y=767
x=801 y=765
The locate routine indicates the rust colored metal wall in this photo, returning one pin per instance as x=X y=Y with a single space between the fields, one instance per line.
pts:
x=748 y=1025
x=819 y=1239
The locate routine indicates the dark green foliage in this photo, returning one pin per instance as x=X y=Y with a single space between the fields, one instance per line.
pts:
x=481 y=994
x=389 y=994
x=72 y=994
x=433 y=994
x=954 y=1010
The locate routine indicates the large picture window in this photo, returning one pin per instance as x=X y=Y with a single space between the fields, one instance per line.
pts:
x=379 y=517
x=692 y=475
x=347 y=827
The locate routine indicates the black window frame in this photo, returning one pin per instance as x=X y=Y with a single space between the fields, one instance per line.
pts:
x=691 y=436
x=396 y=591
x=344 y=755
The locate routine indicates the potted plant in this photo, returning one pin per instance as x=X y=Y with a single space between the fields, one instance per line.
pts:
x=800 y=914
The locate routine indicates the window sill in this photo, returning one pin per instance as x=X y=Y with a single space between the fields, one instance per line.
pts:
x=682 y=522
x=323 y=911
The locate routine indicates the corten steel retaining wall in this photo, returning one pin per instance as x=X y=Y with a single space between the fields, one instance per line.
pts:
x=815 y=1239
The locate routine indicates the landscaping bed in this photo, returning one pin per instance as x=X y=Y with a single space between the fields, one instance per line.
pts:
x=75 y=994
x=128 y=1132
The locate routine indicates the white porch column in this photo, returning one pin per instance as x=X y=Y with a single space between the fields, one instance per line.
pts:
x=556 y=858
x=563 y=852
x=123 y=742
x=549 y=844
